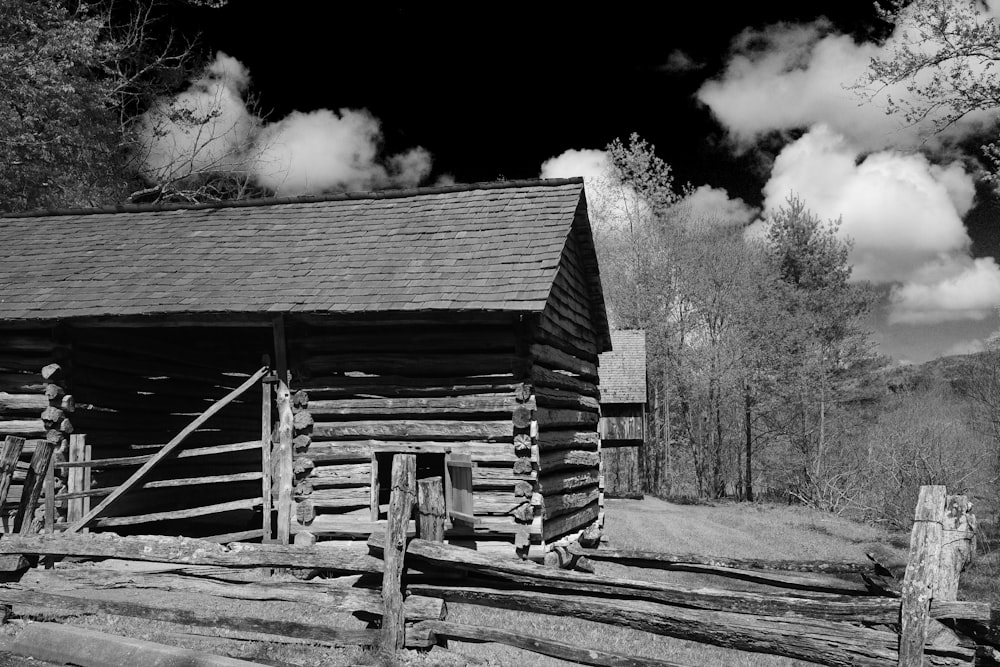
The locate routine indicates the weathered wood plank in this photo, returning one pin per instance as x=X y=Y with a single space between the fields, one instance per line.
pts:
x=567 y=480
x=335 y=386
x=9 y=456
x=543 y=377
x=667 y=561
x=572 y=439
x=66 y=644
x=430 y=429
x=555 y=359
x=921 y=567
x=329 y=595
x=561 y=650
x=410 y=365
x=187 y=551
x=558 y=418
x=558 y=398
x=281 y=461
x=27 y=428
x=567 y=458
x=471 y=404
x=431 y=509
x=343 y=451
x=403 y=496
x=34 y=483
x=22 y=404
x=346 y=474
x=266 y=464
x=154 y=611
x=564 y=503
x=569 y=522
x=823 y=641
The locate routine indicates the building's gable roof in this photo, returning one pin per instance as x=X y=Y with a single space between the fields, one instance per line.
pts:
x=493 y=246
x=623 y=369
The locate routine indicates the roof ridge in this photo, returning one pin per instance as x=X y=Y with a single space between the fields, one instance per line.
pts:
x=302 y=199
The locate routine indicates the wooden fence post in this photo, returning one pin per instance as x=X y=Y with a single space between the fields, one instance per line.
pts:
x=34 y=482
x=265 y=459
x=921 y=572
x=282 y=461
x=431 y=509
x=403 y=495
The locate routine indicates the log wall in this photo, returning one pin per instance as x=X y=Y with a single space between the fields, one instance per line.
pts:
x=135 y=389
x=565 y=382
x=365 y=390
x=32 y=407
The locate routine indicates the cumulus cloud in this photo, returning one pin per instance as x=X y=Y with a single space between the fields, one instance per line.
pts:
x=904 y=215
x=589 y=163
x=209 y=129
x=205 y=128
x=714 y=204
x=324 y=150
x=792 y=76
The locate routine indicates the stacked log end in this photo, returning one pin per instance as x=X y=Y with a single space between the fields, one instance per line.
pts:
x=526 y=498
x=302 y=467
x=58 y=428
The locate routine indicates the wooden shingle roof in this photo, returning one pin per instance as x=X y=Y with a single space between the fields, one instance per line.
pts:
x=491 y=246
x=623 y=369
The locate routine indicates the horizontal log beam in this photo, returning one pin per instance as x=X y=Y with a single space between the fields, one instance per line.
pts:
x=19 y=404
x=543 y=377
x=567 y=458
x=86 y=604
x=471 y=404
x=668 y=561
x=410 y=365
x=554 y=649
x=567 y=523
x=564 y=503
x=415 y=429
x=357 y=450
x=555 y=359
x=350 y=474
x=569 y=439
x=556 y=418
x=27 y=428
x=337 y=386
x=558 y=398
x=819 y=640
x=342 y=557
x=567 y=480
x=328 y=595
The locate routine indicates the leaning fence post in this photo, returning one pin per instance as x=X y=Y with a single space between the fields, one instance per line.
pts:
x=402 y=496
x=921 y=572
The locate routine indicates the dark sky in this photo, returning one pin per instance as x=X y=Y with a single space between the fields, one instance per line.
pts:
x=494 y=89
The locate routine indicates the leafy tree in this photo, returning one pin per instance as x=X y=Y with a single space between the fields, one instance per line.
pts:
x=73 y=75
x=945 y=55
x=822 y=343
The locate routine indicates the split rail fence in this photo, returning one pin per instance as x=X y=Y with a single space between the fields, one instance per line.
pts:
x=830 y=613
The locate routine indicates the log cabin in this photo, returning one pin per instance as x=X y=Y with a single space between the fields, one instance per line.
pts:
x=462 y=324
x=623 y=413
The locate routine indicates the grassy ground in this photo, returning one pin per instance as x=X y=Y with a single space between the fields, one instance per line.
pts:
x=725 y=529
x=733 y=530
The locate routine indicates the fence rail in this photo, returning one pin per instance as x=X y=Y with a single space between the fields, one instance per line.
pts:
x=403 y=585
